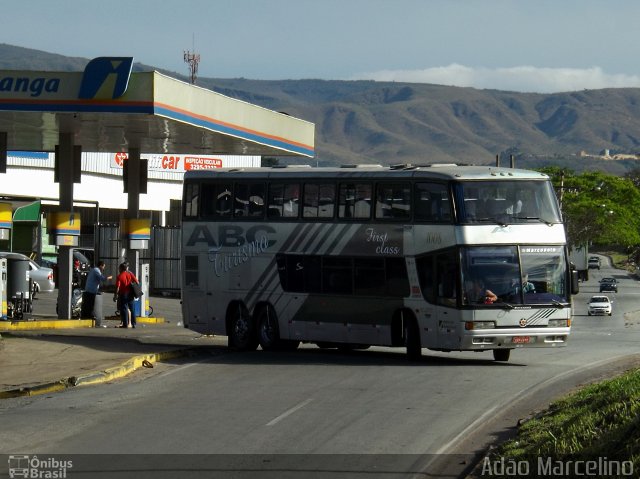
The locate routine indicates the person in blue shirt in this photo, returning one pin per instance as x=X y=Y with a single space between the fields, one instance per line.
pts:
x=92 y=287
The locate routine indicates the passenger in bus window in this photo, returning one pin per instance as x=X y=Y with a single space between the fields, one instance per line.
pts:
x=525 y=286
x=477 y=293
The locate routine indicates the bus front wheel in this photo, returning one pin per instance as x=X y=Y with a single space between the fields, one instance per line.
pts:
x=501 y=354
x=242 y=336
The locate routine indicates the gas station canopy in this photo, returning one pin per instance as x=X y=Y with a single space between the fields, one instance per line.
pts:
x=107 y=108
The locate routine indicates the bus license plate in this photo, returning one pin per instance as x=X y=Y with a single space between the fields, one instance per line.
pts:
x=521 y=339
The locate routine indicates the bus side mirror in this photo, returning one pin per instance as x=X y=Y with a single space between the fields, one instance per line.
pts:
x=575 y=283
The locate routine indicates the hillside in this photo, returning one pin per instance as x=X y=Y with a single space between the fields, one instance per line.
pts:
x=388 y=123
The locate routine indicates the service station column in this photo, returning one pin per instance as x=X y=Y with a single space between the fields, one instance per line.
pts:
x=132 y=186
x=65 y=172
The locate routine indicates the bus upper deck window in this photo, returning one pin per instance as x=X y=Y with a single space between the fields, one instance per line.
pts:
x=249 y=200
x=191 y=200
x=431 y=203
x=355 y=200
x=318 y=200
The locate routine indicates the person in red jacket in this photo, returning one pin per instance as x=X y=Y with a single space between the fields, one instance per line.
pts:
x=124 y=296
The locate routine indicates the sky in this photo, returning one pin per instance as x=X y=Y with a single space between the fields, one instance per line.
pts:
x=518 y=45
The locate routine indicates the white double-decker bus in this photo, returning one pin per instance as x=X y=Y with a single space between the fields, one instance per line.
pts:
x=444 y=257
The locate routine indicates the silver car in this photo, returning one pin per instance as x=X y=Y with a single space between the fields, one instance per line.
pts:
x=41 y=276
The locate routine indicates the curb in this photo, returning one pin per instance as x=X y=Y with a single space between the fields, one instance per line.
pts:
x=61 y=324
x=97 y=377
x=45 y=324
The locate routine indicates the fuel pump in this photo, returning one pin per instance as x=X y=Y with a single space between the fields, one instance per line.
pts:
x=141 y=305
x=3 y=290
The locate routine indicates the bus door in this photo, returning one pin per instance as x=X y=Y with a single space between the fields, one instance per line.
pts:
x=446 y=294
x=194 y=292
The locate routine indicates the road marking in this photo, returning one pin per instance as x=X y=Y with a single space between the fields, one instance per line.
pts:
x=181 y=368
x=289 y=412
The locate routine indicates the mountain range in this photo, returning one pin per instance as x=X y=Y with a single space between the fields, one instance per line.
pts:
x=392 y=122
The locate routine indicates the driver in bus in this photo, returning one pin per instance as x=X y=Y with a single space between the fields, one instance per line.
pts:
x=477 y=293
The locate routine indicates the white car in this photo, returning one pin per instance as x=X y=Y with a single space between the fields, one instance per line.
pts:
x=40 y=275
x=599 y=305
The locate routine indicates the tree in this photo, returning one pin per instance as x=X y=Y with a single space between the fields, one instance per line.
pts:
x=598 y=208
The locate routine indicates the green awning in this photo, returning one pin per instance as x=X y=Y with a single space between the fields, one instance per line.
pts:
x=30 y=213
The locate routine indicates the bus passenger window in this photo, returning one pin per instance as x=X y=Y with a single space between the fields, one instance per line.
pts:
x=369 y=276
x=425 y=277
x=249 y=200
x=283 y=200
x=310 y=201
x=326 y=201
x=337 y=275
x=291 y=200
x=397 y=279
x=355 y=200
x=318 y=200
x=431 y=203
x=393 y=201
x=191 y=199
x=224 y=201
x=446 y=275
x=276 y=194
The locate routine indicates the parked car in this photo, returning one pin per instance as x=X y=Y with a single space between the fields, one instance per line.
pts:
x=594 y=262
x=40 y=275
x=608 y=285
x=600 y=305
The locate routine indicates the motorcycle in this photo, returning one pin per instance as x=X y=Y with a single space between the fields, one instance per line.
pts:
x=76 y=303
x=78 y=279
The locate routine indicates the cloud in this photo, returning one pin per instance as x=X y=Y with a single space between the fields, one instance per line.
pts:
x=521 y=78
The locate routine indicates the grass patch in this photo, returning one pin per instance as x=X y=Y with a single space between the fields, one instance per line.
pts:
x=600 y=422
x=620 y=260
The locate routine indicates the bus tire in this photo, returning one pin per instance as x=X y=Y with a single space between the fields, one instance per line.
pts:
x=268 y=330
x=412 y=338
x=501 y=354
x=242 y=335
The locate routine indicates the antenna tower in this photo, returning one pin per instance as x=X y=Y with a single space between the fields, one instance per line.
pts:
x=192 y=59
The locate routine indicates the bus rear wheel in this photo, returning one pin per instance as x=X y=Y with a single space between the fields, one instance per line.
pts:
x=501 y=354
x=242 y=336
x=269 y=332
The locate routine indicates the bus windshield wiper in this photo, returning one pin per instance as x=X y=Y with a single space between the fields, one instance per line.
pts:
x=558 y=304
x=495 y=220
x=505 y=304
x=542 y=220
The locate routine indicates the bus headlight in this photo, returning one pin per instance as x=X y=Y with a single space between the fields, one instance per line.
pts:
x=558 y=323
x=471 y=325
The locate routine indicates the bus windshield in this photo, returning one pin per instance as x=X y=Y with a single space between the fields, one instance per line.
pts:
x=506 y=202
x=516 y=275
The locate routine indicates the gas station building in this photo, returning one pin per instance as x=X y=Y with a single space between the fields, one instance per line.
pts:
x=118 y=140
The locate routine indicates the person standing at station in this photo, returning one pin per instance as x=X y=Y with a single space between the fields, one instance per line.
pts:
x=95 y=278
x=124 y=296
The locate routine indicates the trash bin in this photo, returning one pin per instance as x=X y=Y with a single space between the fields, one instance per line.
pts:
x=137 y=307
x=97 y=310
